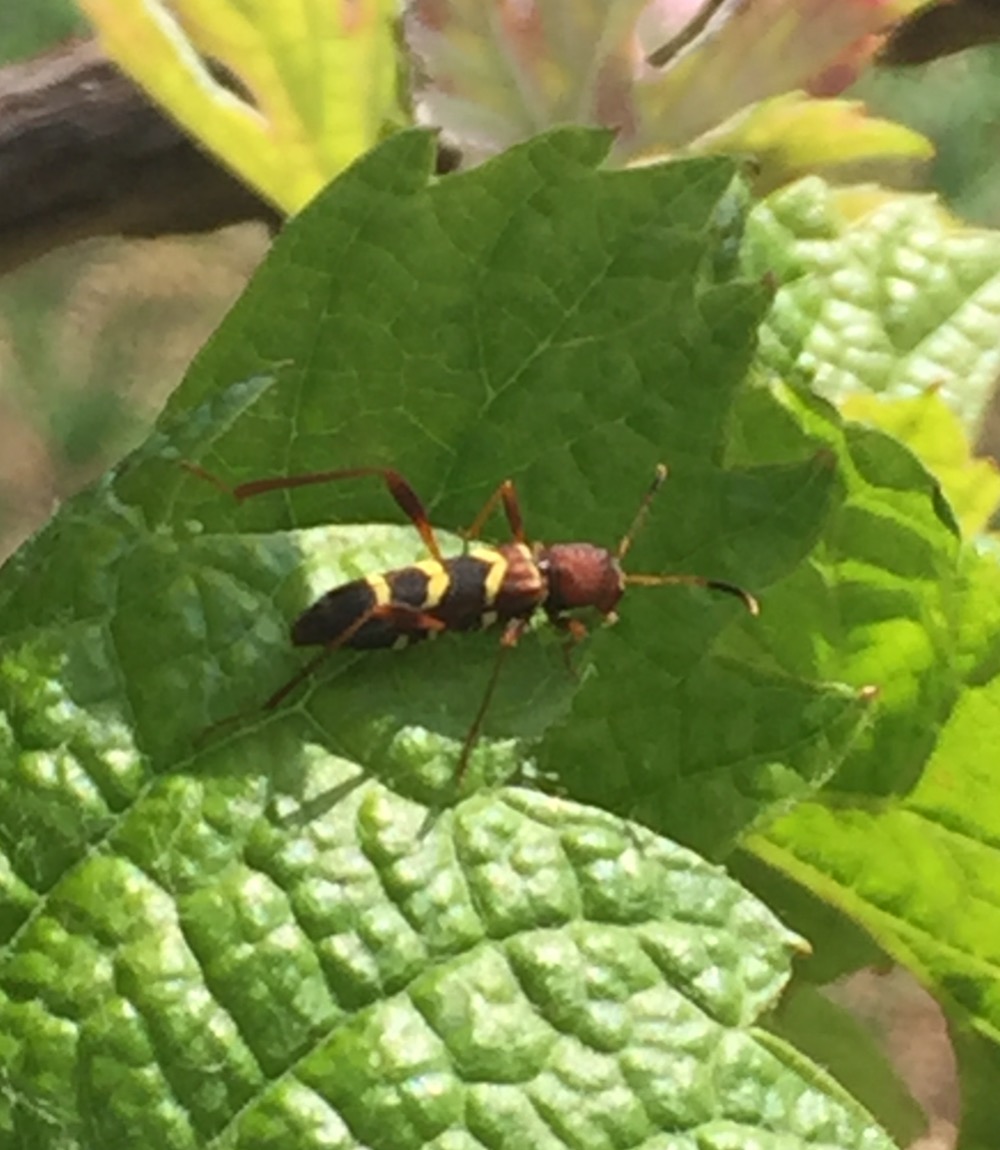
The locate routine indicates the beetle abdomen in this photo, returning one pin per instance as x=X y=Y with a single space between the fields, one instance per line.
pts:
x=464 y=593
x=332 y=614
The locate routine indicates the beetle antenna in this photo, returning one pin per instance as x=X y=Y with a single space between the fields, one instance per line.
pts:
x=659 y=476
x=745 y=597
x=640 y=516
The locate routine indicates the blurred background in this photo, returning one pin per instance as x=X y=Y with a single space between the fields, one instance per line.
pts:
x=93 y=337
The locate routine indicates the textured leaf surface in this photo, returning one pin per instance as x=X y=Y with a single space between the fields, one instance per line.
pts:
x=920 y=871
x=894 y=302
x=526 y=974
x=902 y=840
x=292 y=932
x=841 y=1043
x=888 y=307
x=320 y=77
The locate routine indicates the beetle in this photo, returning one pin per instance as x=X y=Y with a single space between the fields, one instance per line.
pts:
x=503 y=585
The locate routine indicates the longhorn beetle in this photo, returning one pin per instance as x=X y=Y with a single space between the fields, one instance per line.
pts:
x=483 y=586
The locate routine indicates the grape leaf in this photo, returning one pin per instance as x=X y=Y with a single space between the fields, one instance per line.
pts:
x=720 y=77
x=894 y=300
x=285 y=94
x=298 y=929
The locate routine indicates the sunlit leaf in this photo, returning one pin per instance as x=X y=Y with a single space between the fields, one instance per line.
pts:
x=746 y=53
x=299 y=930
x=789 y=136
x=893 y=302
x=303 y=88
x=664 y=77
x=919 y=871
x=932 y=430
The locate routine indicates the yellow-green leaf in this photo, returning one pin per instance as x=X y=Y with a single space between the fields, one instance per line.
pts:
x=744 y=55
x=792 y=134
x=934 y=432
x=319 y=79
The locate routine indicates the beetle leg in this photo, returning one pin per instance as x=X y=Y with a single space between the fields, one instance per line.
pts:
x=575 y=631
x=507 y=494
x=406 y=498
x=508 y=640
x=406 y=619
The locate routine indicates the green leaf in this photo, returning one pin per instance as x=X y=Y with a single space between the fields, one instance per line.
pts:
x=919 y=871
x=876 y=306
x=902 y=840
x=292 y=930
x=318 y=81
x=882 y=600
x=933 y=432
x=978 y=1068
x=896 y=301
x=840 y=1043
x=526 y=974
x=892 y=598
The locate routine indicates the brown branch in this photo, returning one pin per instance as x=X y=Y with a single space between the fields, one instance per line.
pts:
x=939 y=30
x=84 y=153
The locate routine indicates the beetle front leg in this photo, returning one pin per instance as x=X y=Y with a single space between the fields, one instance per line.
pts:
x=507 y=494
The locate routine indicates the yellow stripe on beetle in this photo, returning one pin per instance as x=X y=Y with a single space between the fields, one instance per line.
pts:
x=482 y=585
x=380 y=589
x=496 y=573
x=438 y=582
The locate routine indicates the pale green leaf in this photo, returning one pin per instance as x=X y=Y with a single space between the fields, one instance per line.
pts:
x=895 y=301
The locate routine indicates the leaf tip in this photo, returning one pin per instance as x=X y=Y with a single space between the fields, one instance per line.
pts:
x=801 y=947
x=769 y=282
